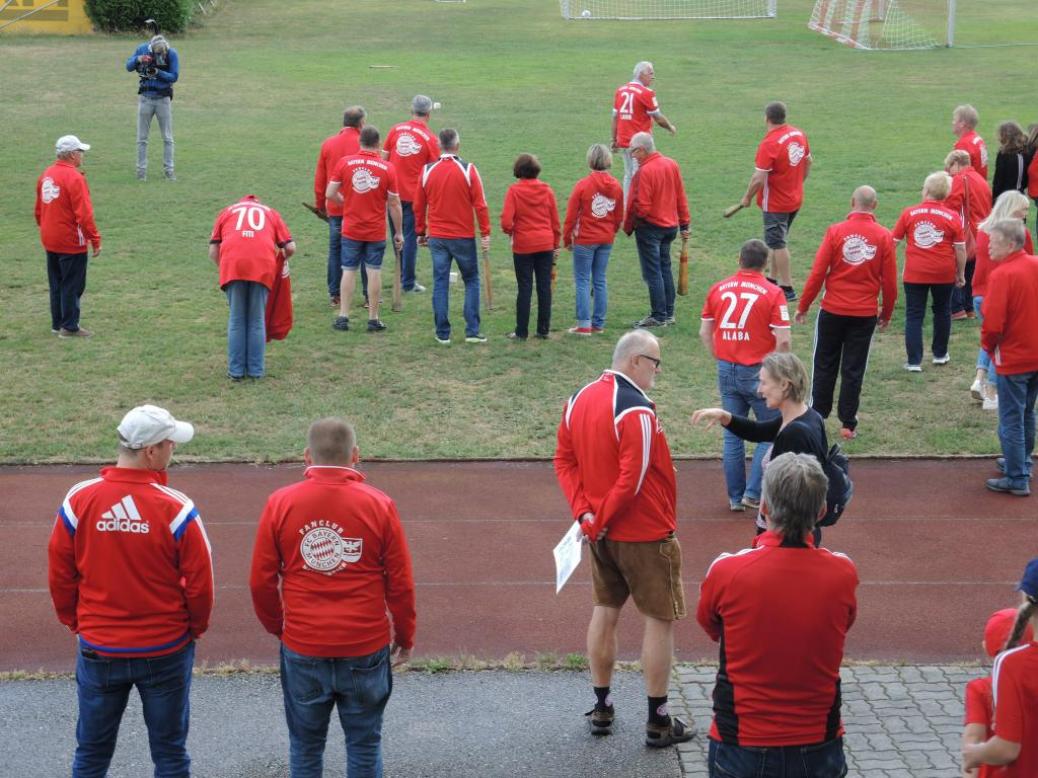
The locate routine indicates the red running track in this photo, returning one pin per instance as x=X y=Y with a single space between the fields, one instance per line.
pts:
x=935 y=551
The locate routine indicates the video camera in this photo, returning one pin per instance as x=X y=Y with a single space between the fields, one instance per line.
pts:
x=150 y=64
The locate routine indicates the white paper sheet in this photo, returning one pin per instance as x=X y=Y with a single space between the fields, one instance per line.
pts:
x=567 y=556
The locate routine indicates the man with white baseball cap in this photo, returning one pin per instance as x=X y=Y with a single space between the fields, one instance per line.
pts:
x=65 y=217
x=131 y=575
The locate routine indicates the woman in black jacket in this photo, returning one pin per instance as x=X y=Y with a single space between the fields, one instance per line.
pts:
x=799 y=428
x=1011 y=162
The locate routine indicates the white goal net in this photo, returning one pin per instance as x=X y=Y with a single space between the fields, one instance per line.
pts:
x=880 y=24
x=667 y=9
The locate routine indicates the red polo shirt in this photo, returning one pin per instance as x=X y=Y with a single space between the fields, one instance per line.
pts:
x=594 y=212
x=531 y=216
x=657 y=195
x=250 y=235
x=366 y=181
x=633 y=106
x=932 y=231
x=411 y=146
x=342 y=144
x=857 y=261
x=1011 y=315
x=745 y=308
x=782 y=155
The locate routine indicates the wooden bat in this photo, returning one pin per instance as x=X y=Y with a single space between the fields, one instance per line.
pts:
x=486 y=278
x=319 y=214
x=731 y=210
x=398 y=290
x=683 y=269
x=554 y=275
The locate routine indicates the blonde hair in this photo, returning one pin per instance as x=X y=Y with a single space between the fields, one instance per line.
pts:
x=599 y=157
x=331 y=441
x=938 y=185
x=957 y=157
x=785 y=366
x=1008 y=203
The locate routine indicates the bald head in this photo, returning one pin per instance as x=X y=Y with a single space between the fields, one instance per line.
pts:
x=332 y=441
x=864 y=199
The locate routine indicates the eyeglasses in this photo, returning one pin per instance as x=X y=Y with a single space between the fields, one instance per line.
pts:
x=655 y=362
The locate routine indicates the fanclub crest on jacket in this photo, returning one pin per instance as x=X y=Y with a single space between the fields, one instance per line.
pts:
x=49 y=191
x=856 y=250
x=926 y=235
x=363 y=181
x=407 y=146
x=325 y=550
x=602 y=206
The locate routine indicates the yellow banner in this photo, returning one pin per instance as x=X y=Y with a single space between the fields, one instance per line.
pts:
x=44 y=17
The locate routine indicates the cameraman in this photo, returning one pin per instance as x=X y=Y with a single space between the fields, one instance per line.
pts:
x=158 y=68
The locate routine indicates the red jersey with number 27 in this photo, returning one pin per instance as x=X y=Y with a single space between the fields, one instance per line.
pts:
x=746 y=309
x=783 y=155
x=366 y=181
x=633 y=106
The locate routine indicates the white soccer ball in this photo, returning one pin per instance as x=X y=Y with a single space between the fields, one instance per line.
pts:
x=586 y=13
x=437 y=106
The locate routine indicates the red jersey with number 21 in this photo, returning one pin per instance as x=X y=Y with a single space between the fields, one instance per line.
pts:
x=366 y=183
x=633 y=107
x=745 y=308
x=782 y=155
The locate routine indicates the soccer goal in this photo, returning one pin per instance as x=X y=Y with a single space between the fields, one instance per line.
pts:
x=668 y=9
x=886 y=24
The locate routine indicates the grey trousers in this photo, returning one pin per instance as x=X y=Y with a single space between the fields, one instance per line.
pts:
x=630 y=168
x=162 y=109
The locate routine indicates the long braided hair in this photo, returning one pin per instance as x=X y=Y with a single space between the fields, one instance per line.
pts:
x=1027 y=610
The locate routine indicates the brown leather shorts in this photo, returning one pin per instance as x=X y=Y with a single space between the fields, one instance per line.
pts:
x=650 y=573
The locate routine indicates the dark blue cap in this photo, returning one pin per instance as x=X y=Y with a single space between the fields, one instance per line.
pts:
x=1029 y=583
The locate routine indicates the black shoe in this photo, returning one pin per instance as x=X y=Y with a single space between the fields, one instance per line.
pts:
x=236 y=378
x=514 y=336
x=790 y=293
x=341 y=323
x=647 y=322
x=375 y=325
x=600 y=718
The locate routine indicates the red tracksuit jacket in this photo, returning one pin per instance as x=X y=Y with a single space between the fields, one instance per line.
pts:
x=130 y=567
x=64 y=212
x=657 y=195
x=449 y=190
x=1011 y=315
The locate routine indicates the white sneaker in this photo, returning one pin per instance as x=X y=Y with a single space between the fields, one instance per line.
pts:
x=977 y=390
x=913 y=368
x=990 y=403
x=942 y=360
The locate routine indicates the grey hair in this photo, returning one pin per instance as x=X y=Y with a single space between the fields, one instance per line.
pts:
x=938 y=185
x=66 y=154
x=641 y=67
x=158 y=43
x=629 y=345
x=421 y=105
x=786 y=366
x=331 y=441
x=1008 y=203
x=1011 y=230
x=599 y=157
x=794 y=492
x=449 y=139
x=353 y=116
x=643 y=141
x=967 y=114
x=864 y=197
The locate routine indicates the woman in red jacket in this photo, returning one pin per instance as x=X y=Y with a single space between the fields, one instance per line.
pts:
x=593 y=216
x=531 y=218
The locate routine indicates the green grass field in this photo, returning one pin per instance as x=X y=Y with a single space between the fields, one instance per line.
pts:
x=264 y=82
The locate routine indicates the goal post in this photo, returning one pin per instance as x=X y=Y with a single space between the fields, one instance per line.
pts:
x=668 y=9
x=886 y=25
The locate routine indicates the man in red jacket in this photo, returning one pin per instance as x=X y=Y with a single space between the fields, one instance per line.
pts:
x=781 y=612
x=342 y=144
x=857 y=262
x=131 y=575
x=65 y=217
x=330 y=559
x=613 y=464
x=656 y=210
x=1008 y=335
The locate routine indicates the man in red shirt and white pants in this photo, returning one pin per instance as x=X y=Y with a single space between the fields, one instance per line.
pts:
x=656 y=210
x=635 y=108
x=745 y=318
x=782 y=165
x=1007 y=333
x=342 y=144
x=65 y=217
x=613 y=464
x=245 y=242
x=781 y=612
x=131 y=575
x=330 y=559
x=857 y=262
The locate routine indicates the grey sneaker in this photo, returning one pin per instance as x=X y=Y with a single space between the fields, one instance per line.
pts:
x=341 y=323
x=913 y=368
x=751 y=502
x=736 y=507
x=1005 y=486
x=647 y=322
x=171 y=176
x=80 y=333
x=417 y=288
x=942 y=360
x=479 y=337
x=442 y=341
x=142 y=175
x=670 y=321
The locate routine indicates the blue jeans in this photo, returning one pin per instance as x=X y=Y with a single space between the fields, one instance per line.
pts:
x=738 y=387
x=66 y=274
x=654 y=255
x=1016 y=398
x=462 y=251
x=915 y=310
x=358 y=686
x=335 y=259
x=962 y=296
x=824 y=760
x=409 y=254
x=362 y=254
x=589 y=269
x=246 y=328
x=103 y=686
x=983 y=360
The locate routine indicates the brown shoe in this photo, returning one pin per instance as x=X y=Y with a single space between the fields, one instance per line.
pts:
x=663 y=735
x=334 y=301
x=80 y=333
x=601 y=719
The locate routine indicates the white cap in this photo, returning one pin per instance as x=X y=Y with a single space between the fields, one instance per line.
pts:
x=148 y=425
x=67 y=143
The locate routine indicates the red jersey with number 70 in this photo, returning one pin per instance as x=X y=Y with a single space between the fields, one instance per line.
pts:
x=250 y=234
x=366 y=183
x=633 y=106
x=745 y=308
x=783 y=155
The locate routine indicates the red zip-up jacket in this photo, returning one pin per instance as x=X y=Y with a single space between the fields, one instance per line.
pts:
x=64 y=212
x=338 y=550
x=1011 y=315
x=595 y=211
x=449 y=190
x=974 y=145
x=531 y=217
x=781 y=612
x=657 y=195
x=130 y=568
x=612 y=460
x=342 y=144
x=856 y=261
x=979 y=196
x=985 y=264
